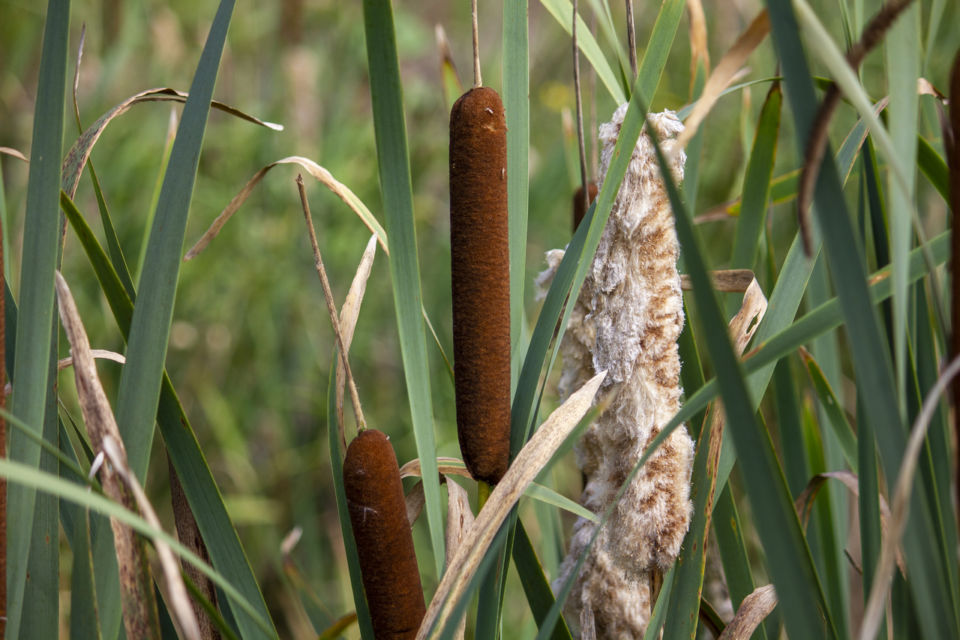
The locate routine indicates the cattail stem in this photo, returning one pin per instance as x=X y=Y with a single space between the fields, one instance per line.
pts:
x=477 y=78
x=378 y=516
x=631 y=40
x=483 y=494
x=480 y=274
x=331 y=309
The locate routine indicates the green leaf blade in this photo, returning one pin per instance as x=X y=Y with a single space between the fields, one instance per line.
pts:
x=141 y=379
x=35 y=341
x=395 y=185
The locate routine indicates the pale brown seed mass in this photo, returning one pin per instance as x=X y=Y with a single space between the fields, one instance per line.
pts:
x=627 y=320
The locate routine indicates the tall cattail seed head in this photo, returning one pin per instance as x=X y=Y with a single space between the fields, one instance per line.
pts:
x=627 y=320
x=378 y=516
x=480 y=269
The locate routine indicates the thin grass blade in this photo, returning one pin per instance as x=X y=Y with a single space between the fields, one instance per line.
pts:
x=902 y=56
x=516 y=103
x=197 y=481
x=658 y=47
x=870 y=355
x=788 y=558
x=395 y=185
x=35 y=342
x=562 y=12
x=142 y=376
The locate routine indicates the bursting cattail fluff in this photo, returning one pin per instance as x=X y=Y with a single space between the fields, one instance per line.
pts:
x=378 y=516
x=627 y=320
x=480 y=270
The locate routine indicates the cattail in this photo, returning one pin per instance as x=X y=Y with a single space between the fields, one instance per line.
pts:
x=480 y=266
x=580 y=205
x=626 y=321
x=378 y=516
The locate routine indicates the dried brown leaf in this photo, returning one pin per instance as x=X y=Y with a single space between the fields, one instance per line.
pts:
x=459 y=520
x=753 y=610
x=10 y=151
x=349 y=313
x=804 y=502
x=724 y=74
x=325 y=177
x=103 y=354
x=890 y=551
x=140 y=616
x=80 y=151
x=446 y=466
x=528 y=463
x=415 y=501
x=726 y=280
x=181 y=611
x=698 y=39
x=748 y=318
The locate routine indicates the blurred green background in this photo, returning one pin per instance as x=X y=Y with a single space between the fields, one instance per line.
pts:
x=251 y=343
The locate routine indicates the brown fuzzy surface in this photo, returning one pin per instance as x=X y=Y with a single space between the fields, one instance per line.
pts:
x=480 y=272
x=378 y=516
x=579 y=206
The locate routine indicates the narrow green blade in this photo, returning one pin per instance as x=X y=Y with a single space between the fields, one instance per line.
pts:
x=756 y=184
x=386 y=92
x=535 y=585
x=206 y=502
x=34 y=343
x=658 y=47
x=142 y=375
x=902 y=56
x=516 y=103
x=872 y=362
x=788 y=558
x=562 y=12
x=835 y=414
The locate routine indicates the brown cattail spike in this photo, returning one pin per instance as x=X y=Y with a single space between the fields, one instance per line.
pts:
x=580 y=205
x=480 y=259
x=378 y=516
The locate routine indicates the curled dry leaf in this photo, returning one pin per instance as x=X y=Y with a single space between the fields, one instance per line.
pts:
x=754 y=608
x=748 y=318
x=325 y=177
x=446 y=466
x=415 y=501
x=725 y=74
x=901 y=502
x=182 y=612
x=459 y=520
x=804 y=502
x=698 y=39
x=332 y=312
x=103 y=354
x=349 y=313
x=528 y=463
x=140 y=618
x=10 y=151
x=80 y=151
x=726 y=280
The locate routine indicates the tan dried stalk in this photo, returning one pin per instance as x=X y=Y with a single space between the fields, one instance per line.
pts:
x=627 y=320
x=140 y=617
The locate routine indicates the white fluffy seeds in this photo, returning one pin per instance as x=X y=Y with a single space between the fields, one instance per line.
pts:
x=627 y=320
